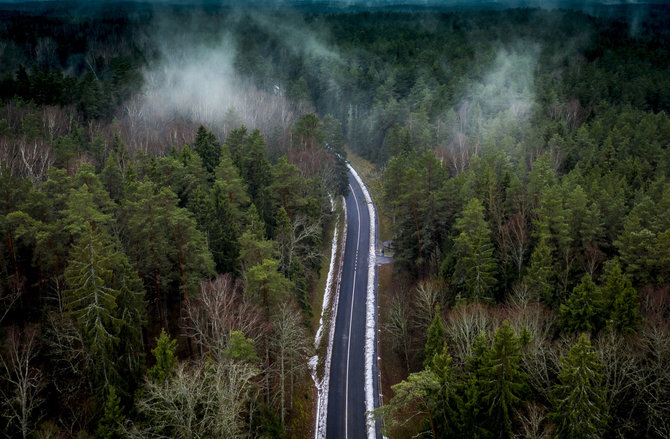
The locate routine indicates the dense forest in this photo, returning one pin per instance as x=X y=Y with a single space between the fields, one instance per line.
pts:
x=165 y=177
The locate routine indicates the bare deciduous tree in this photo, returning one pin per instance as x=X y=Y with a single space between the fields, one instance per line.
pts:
x=428 y=296
x=36 y=158
x=23 y=381
x=517 y=239
x=70 y=371
x=655 y=341
x=397 y=326
x=464 y=324
x=202 y=399
x=291 y=348
x=622 y=376
x=219 y=310
x=300 y=242
x=533 y=423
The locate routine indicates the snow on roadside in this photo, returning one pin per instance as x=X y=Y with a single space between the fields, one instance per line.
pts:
x=323 y=385
x=370 y=311
x=329 y=283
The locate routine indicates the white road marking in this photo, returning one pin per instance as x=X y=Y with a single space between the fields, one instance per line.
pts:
x=351 y=314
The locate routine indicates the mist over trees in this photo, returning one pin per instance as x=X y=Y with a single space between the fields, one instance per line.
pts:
x=164 y=184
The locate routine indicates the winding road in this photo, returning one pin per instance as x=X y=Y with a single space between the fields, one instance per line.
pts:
x=346 y=399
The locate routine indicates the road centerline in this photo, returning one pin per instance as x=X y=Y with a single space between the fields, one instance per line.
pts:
x=351 y=318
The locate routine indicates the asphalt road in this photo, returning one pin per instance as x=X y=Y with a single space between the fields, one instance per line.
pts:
x=346 y=398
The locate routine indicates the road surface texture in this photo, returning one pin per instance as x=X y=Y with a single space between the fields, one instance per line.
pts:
x=346 y=399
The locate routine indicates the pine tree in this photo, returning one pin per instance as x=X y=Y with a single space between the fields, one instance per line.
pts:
x=110 y=425
x=435 y=337
x=131 y=314
x=240 y=348
x=579 y=409
x=166 y=361
x=267 y=286
x=473 y=410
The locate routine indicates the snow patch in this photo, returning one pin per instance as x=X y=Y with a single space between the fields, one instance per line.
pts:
x=370 y=311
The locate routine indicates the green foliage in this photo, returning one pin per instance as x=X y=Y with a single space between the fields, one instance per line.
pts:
x=308 y=132
x=578 y=400
x=476 y=265
x=504 y=387
x=91 y=297
x=266 y=286
x=583 y=311
x=240 y=348
x=166 y=361
x=208 y=148
x=223 y=230
x=434 y=338
x=541 y=275
x=110 y=425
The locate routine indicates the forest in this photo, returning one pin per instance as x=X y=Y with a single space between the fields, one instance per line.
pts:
x=167 y=177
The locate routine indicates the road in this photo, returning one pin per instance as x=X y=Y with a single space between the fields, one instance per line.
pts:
x=346 y=399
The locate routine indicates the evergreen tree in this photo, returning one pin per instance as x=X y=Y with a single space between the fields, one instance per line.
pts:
x=110 y=425
x=475 y=267
x=240 y=348
x=232 y=184
x=620 y=299
x=435 y=337
x=504 y=383
x=583 y=309
x=223 y=230
x=91 y=297
x=541 y=276
x=579 y=409
x=207 y=148
x=473 y=410
x=267 y=286
x=166 y=361
x=446 y=400
x=625 y=316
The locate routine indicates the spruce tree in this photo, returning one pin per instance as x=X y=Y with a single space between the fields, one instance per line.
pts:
x=504 y=382
x=110 y=425
x=435 y=337
x=625 y=316
x=223 y=230
x=207 y=148
x=579 y=408
x=541 y=277
x=583 y=309
x=476 y=265
x=166 y=361
x=91 y=298
x=620 y=299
